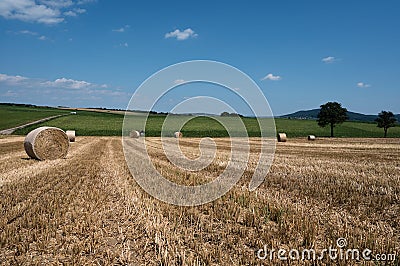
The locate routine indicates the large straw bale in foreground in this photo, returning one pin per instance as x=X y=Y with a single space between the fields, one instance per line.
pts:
x=282 y=137
x=71 y=135
x=46 y=143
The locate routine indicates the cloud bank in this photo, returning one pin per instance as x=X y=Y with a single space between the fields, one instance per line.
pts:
x=61 y=91
x=41 y=11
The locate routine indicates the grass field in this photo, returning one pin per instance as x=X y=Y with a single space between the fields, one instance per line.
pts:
x=87 y=123
x=92 y=123
x=88 y=210
x=12 y=116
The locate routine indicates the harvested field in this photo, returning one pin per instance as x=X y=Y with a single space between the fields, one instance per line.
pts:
x=88 y=210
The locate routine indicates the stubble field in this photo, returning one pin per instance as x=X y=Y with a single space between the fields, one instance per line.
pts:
x=88 y=210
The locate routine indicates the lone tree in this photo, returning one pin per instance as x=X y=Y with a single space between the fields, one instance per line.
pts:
x=331 y=113
x=385 y=120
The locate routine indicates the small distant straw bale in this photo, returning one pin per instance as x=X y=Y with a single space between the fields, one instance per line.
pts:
x=71 y=135
x=178 y=134
x=311 y=137
x=282 y=137
x=134 y=134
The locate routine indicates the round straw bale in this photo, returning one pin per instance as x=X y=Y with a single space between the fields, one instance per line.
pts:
x=178 y=134
x=71 y=135
x=311 y=137
x=46 y=143
x=134 y=134
x=282 y=137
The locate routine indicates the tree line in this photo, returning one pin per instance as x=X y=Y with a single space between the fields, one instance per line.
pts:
x=332 y=114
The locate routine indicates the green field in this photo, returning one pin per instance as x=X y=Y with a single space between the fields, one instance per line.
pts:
x=87 y=123
x=301 y=128
x=12 y=116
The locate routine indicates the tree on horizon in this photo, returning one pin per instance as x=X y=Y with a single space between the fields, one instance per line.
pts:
x=385 y=120
x=331 y=113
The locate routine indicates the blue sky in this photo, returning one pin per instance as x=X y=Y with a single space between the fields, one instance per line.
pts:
x=87 y=53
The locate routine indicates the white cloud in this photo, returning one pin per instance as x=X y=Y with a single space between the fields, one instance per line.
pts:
x=63 y=83
x=74 y=12
x=181 y=35
x=270 y=76
x=57 y=3
x=27 y=32
x=363 y=85
x=179 y=81
x=68 y=83
x=29 y=10
x=329 y=59
x=122 y=29
x=62 y=91
x=31 y=33
x=70 y=13
x=80 y=10
x=84 y=2
x=39 y=11
x=11 y=79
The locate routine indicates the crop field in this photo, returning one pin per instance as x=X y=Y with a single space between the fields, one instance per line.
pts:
x=98 y=122
x=13 y=116
x=89 y=123
x=88 y=210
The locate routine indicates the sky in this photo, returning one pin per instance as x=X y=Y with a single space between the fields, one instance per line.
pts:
x=301 y=54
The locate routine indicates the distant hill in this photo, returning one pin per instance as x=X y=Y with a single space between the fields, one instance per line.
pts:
x=312 y=115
